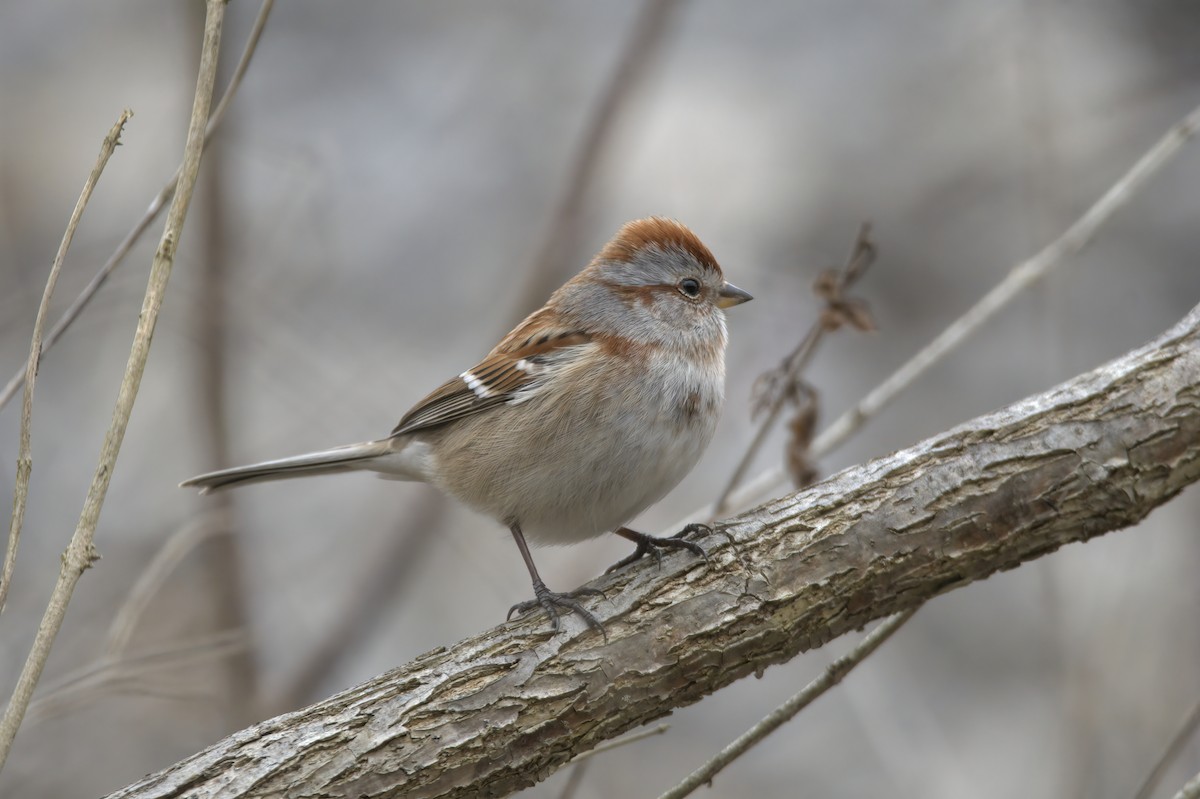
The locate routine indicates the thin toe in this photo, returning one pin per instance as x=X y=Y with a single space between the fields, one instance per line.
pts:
x=521 y=608
x=694 y=528
x=550 y=602
x=654 y=546
x=691 y=546
x=642 y=550
x=625 y=561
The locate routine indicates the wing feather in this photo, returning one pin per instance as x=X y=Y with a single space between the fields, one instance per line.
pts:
x=509 y=374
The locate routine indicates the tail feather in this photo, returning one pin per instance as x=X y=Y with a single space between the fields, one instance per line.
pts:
x=330 y=461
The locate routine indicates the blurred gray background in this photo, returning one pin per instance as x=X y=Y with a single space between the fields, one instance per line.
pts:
x=365 y=228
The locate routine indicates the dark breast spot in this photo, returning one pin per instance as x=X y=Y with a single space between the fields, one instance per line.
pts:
x=690 y=408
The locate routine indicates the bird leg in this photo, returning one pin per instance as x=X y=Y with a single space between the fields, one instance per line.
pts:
x=551 y=601
x=653 y=545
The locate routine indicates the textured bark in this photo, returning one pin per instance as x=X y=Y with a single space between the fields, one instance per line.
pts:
x=504 y=709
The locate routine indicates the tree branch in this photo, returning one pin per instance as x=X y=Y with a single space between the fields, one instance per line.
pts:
x=24 y=451
x=504 y=709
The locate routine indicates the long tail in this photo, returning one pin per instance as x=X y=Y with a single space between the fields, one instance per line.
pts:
x=374 y=455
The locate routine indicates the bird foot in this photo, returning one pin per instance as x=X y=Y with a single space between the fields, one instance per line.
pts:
x=652 y=545
x=551 y=601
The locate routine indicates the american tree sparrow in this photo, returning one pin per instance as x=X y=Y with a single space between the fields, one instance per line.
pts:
x=587 y=413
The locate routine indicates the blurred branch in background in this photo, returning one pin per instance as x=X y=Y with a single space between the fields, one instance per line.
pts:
x=1191 y=790
x=376 y=596
x=556 y=257
x=221 y=558
x=174 y=551
x=1173 y=750
x=834 y=673
x=24 y=451
x=1023 y=275
x=156 y=205
x=134 y=675
x=579 y=764
x=119 y=670
x=80 y=553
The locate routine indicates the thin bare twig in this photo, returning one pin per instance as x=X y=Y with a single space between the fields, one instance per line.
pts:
x=562 y=234
x=1022 y=276
x=80 y=553
x=833 y=674
x=579 y=765
x=1178 y=741
x=113 y=672
x=114 y=667
x=24 y=450
x=156 y=205
x=156 y=574
x=574 y=780
x=788 y=374
x=617 y=743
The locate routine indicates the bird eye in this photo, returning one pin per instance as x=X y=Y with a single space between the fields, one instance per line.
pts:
x=689 y=287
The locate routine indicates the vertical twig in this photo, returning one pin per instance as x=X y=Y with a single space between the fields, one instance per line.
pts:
x=80 y=553
x=24 y=452
x=156 y=205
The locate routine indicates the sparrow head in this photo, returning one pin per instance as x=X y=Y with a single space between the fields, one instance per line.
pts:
x=654 y=281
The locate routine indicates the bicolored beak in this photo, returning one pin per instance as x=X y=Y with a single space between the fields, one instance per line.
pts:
x=730 y=295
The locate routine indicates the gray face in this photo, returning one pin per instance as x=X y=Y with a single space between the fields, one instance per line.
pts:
x=664 y=295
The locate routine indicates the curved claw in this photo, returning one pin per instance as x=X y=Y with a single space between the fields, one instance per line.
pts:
x=693 y=529
x=637 y=555
x=551 y=601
